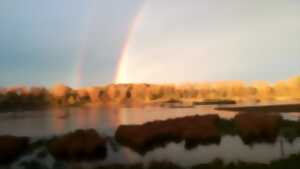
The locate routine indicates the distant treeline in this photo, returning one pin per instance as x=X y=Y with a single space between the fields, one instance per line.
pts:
x=61 y=95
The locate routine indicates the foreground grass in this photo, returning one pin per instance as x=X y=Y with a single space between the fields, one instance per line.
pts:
x=293 y=162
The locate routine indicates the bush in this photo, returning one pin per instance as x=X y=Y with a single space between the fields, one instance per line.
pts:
x=11 y=147
x=79 y=145
x=258 y=126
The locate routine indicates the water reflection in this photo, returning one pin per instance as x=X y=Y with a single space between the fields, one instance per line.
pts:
x=231 y=149
x=46 y=123
x=59 y=121
x=291 y=116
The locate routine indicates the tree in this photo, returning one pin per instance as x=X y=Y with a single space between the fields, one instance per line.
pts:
x=61 y=93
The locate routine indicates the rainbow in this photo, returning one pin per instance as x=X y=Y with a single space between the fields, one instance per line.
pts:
x=120 y=74
x=79 y=70
x=120 y=71
x=84 y=38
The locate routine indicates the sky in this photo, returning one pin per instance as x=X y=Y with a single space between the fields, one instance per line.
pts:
x=94 y=42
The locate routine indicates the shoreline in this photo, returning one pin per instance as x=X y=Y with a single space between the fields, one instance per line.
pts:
x=265 y=107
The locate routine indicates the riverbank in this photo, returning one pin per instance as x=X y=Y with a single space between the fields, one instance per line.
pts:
x=280 y=107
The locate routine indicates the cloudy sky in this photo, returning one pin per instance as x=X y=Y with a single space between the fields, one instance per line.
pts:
x=82 y=43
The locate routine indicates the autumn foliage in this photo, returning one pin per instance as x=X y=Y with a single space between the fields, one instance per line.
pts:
x=138 y=94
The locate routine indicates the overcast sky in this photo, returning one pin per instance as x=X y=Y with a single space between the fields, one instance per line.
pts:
x=56 y=41
x=179 y=41
x=42 y=42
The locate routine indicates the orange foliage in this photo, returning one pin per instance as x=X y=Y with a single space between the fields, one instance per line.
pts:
x=135 y=94
x=60 y=90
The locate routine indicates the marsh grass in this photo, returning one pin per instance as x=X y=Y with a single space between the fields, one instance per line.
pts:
x=290 y=129
x=12 y=147
x=79 y=145
x=193 y=130
x=261 y=127
x=292 y=162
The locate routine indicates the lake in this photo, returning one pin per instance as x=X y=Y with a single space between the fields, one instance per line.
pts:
x=48 y=123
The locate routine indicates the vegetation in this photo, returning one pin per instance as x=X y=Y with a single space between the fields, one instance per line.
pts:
x=79 y=145
x=20 y=98
x=83 y=145
x=253 y=127
x=11 y=147
x=193 y=129
x=226 y=92
x=292 y=162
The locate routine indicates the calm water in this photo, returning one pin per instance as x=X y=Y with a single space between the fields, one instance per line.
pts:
x=39 y=124
x=46 y=123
